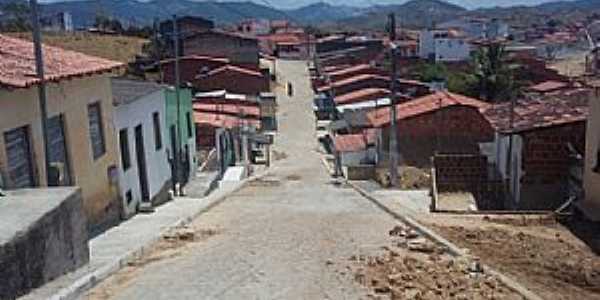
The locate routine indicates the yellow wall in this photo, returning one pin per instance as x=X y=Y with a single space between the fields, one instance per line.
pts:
x=592 y=179
x=20 y=107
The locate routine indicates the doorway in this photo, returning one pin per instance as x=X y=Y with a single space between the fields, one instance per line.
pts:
x=140 y=153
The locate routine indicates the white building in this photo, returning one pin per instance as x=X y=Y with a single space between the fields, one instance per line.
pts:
x=140 y=122
x=443 y=46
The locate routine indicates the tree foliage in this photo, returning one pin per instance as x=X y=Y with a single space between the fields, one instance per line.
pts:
x=16 y=17
x=492 y=74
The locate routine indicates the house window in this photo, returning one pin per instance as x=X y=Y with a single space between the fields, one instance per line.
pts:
x=188 y=117
x=157 y=131
x=19 y=158
x=124 y=145
x=96 y=130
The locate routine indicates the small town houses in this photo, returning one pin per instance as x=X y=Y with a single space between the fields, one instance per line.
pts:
x=80 y=124
x=123 y=142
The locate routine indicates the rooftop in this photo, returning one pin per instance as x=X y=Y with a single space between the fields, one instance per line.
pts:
x=548 y=86
x=362 y=95
x=222 y=121
x=235 y=109
x=381 y=117
x=232 y=68
x=350 y=142
x=126 y=91
x=17 y=64
x=538 y=112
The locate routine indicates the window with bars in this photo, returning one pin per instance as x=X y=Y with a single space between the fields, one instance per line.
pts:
x=96 y=130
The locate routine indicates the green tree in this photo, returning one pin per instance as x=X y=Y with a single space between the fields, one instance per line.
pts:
x=493 y=77
x=16 y=17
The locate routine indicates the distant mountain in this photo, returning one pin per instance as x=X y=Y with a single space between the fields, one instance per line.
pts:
x=415 y=13
x=322 y=12
x=143 y=13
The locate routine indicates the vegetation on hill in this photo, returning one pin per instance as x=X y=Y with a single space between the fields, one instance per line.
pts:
x=114 y=47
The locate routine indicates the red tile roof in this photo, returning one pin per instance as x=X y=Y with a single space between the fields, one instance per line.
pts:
x=17 y=63
x=537 y=113
x=231 y=109
x=362 y=96
x=198 y=58
x=381 y=117
x=548 y=86
x=351 y=69
x=351 y=80
x=350 y=142
x=222 y=121
x=232 y=68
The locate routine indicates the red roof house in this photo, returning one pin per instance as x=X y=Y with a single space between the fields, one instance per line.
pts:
x=233 y=79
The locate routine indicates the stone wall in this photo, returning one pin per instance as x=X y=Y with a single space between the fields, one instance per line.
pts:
x=43 y=235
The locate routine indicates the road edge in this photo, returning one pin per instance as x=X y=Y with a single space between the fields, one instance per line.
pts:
x=453 y=249
x=89 y=281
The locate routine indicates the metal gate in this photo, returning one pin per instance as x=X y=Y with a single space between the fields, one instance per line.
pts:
x=19 y=159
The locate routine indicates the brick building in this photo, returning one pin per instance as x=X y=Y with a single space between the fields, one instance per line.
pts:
x=239 y=49
x=547 y=135
x=233 y=79
x=438 y=123
x=190 y=67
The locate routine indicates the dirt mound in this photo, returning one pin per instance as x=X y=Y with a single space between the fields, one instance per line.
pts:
x=553 y=268
x=416 y=268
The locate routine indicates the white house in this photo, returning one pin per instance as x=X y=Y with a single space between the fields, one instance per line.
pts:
x=443 y=46
x=140 y=122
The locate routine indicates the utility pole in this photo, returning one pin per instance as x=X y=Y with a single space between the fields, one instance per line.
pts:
x=177 y=150
x=394 y=160
x=39 y=67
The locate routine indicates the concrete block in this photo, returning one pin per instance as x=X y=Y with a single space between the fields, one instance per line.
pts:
x=43 y=235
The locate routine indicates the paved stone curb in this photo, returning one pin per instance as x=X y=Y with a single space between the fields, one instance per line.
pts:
x=89 y=281
x=452 y=248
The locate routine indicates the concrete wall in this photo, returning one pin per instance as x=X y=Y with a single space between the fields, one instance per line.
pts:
x=43 y=235
x=128 y=116
x=592 y=178
x=71 y=99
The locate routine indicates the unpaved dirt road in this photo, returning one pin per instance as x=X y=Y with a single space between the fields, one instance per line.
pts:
x=279 y=238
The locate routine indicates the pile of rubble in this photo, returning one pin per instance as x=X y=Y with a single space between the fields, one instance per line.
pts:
x=414 y=267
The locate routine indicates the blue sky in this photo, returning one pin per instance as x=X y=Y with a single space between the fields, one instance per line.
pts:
x=465 y=3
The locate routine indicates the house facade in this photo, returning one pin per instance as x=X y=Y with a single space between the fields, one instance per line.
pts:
x=233 y=79
x=181 y=134
x=443 y=46
x=80 y=126
x=548 y=136
x=140 y=119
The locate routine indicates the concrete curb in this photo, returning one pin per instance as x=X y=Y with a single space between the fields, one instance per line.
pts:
x=89 y=281
x=452 y=248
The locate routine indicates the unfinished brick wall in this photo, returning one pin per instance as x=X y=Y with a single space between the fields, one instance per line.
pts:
x=469 y=173
x=451 y=130
x=233 y=82
x=546 y=163
x=188 y=69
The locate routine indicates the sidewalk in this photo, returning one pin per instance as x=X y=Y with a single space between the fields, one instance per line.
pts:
x=115 y=247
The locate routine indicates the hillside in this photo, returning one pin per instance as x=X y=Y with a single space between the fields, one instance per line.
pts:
x=118 y=48
x=415 y=13
x=324 y=13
